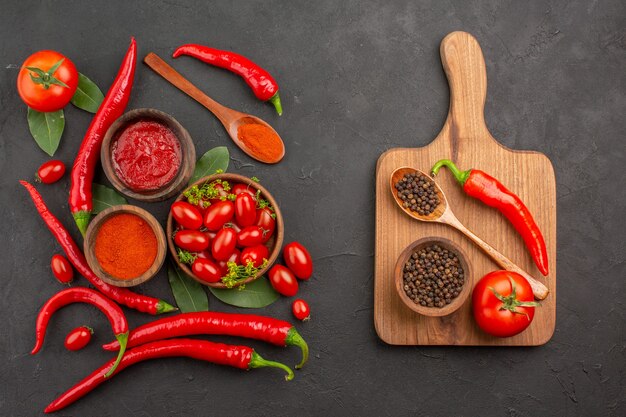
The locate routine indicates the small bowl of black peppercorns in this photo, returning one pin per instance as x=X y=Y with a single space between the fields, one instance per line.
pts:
x=433 y=277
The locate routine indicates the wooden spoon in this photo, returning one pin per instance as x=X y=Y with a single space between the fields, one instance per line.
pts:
x=231 y=119
x=443 y=214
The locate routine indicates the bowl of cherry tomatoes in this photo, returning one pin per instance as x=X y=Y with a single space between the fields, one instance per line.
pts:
x=225 y=230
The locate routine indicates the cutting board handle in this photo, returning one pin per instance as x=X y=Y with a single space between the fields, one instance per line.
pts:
x=464 y=65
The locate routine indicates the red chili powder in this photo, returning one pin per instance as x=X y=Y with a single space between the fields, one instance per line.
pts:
x=126 y=246
x=146 y=155
x=261 y=140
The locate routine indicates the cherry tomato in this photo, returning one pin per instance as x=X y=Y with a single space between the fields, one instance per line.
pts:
x=245 y=210
x=298 y=260
x=503 y=303
x=224 y=244
x=221 y=193
x=243 y=188
x=251 y=236
x=233 y=258
x=283 y=280
x=51 y=171
x=191 y=240
x=206 y=270
x=205 y=254
x=45 y=91
x=218 y=214
x=186 y=215
x=78 y=338
x=265 y=219
x=256 y=254
x=301 y=310
x=62 y=269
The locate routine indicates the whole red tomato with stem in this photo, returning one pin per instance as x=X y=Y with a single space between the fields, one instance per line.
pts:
x=503 y=303
x=298 y=260
x=224 y=244
x=218 y=214
x=243 y=188
x=245 y=210
x=50 y=172
x=301 y=310
x=62 y=269
x=283 y=280
x=47 y=81
x=191 y=240
x=206 y=270
x=266 y=218
x=78 y=338
x=256 y=254
x=187 y=215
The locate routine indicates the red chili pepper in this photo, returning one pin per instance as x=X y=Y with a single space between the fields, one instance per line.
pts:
x=242 y=357
x=84 y=295
x=267 y=329
x=482 y=186
x=130 y=299
x=112 y=107
x=260 y=81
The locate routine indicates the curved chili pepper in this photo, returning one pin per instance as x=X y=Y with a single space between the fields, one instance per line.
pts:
x=482 y=186
x=110 y=109
x=267 y=329
x=123 y=296
x=260 y=81
x=242 y=357
x=84 y=295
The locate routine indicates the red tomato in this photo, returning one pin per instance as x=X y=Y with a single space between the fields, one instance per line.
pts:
x=298 y=260
x=503 y=303
x=233 y=258
x=186 y=215
x=46 y=93
x=191 y=240
x=243 y=188
x=78 y=338
x=221 y=193
x=301 y=310
x=283 y=280
x=51 y=171
x=265 y=219
x=218 y=214
x=245 y=210
x=205 y=254
x=224 y=244
x=251 y=236
x=62 y=269
x=256 y=254
x=206 y=270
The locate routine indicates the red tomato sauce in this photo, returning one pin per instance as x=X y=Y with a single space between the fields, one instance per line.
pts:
x=146 y=155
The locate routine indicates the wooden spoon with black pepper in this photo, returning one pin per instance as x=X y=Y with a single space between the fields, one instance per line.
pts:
x=269 y=152
x=441 y=213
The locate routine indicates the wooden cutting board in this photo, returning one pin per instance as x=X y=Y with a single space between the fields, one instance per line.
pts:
x=466 y=140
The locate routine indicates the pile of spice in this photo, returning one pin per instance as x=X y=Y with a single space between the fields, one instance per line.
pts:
x=146 y=155
x=126 y=246
x=433 y=276
x=261 y=140
x=418 y=193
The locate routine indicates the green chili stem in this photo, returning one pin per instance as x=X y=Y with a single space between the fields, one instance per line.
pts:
x=460 y=176
x=256 y=361
x=275 y=100
x=295 y=339
x=122 y=338
x=163 y=307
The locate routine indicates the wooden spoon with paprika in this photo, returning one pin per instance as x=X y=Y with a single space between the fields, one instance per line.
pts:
x=253 y=136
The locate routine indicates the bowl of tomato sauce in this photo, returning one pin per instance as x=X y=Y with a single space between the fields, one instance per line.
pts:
x=148 y=155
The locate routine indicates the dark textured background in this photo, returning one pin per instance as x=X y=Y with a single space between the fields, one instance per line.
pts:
x=356 y=78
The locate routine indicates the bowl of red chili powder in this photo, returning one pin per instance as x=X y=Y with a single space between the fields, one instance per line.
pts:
x=125 y=245
x=147 y=155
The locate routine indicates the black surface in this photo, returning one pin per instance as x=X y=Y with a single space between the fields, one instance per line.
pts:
x=356 y=78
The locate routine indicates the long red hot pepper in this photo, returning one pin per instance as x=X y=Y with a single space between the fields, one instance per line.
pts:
x=267 y=329
x=482 y=186
x=260 y=81
x=112 y=107
x=242 y=357
x=84 y=295
x=123 y=296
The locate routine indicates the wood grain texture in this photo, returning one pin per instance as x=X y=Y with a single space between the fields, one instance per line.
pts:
x=466 y=140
